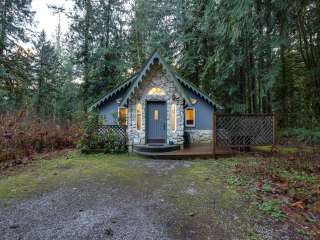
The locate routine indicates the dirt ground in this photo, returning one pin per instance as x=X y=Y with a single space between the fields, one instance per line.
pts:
x=108 y=197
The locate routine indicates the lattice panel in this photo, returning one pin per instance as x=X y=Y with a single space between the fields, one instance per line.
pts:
x=118 y=130
x=244 y=130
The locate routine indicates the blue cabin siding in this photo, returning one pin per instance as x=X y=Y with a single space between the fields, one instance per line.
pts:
x=204 y=112
x=110 y=110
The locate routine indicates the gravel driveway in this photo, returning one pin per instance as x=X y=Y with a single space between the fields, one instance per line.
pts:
x=141 y=199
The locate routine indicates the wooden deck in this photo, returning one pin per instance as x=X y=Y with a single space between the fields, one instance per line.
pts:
x=192 y=152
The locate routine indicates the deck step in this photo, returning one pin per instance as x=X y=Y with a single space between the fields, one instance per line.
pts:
x=156 y=148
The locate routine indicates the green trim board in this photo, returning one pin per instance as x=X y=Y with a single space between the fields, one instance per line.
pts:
x=134 y=81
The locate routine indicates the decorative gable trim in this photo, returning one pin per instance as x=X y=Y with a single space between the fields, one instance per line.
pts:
x=198 y=92
x=146 y=68
x=133 y=83
x=112 y=93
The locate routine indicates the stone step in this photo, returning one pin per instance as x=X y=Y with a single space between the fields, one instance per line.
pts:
x=155 y=148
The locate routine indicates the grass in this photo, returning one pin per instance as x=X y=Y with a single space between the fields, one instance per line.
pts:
x=47 y=174
x=272 y=207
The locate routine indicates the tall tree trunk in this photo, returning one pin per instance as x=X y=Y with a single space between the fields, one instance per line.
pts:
x=283 y=77
x=86 y=48
x=268 y=99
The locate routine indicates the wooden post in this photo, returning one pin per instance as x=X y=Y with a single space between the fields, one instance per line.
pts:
x=274 y=130
x=214 y=134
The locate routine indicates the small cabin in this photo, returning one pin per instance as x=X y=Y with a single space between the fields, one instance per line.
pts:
x=159 y=108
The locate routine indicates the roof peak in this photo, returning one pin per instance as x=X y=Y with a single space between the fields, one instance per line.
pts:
x=145 y=68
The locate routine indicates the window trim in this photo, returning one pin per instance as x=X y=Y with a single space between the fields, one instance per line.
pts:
x=194 y=117
x=137 y=116
x=126 y=122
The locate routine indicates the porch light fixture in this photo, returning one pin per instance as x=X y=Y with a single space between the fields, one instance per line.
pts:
x=193 y=101
x=156 y=91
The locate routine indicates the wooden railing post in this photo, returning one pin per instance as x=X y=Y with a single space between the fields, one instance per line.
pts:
x=214 y=134
x=274 y=130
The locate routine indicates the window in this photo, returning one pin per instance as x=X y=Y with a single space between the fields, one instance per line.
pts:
x=190 y=117
x=122 y=116
x=173 y=117
x=139 y=116
x=156 y=115
x=156 y=91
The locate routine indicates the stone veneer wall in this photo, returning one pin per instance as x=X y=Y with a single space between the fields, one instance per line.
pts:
x=155 y=78
x=200 y=136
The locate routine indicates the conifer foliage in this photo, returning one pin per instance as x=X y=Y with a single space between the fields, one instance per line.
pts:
x=250 y=55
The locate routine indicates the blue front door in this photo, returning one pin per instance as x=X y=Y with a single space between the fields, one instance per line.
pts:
x=156 y=122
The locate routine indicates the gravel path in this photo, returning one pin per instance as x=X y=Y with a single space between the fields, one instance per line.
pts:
x=166 y=200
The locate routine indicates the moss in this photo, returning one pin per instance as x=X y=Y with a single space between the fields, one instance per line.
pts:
x=298 y=176
x=208 y=180
x=283 y=149
x=254 y=236
x=47 y=174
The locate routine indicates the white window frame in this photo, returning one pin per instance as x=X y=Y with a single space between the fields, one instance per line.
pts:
x=194 y=117
x=126 y=123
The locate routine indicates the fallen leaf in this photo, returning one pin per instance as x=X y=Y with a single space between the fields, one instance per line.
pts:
x=259 y=185
x=291 y=158
x=299 y=185
x=236 y=169
x=283 y=185
x=316 y=207
x=298 y=204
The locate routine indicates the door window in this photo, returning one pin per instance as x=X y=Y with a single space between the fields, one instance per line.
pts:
x=156 y=115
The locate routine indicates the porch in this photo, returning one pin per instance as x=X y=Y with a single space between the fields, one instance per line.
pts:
x=193 y=151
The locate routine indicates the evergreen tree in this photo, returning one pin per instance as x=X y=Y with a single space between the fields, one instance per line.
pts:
x=15 y=18
x=47 y=85
x=251 y=55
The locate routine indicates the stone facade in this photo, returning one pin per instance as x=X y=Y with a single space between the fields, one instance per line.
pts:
x=155 y=78
x=200 y=136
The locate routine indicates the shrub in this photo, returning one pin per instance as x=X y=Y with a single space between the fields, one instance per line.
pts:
x=23 y=134
x=94 y=140
x=302 y=135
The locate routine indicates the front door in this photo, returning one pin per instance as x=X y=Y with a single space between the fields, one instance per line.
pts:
x=156 y=122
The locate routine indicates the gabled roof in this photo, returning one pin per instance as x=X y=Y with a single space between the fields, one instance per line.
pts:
x=132 y=84
x=154 y=57
x=113 y=92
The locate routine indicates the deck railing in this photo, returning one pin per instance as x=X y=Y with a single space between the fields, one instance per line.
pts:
x=243 y=130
